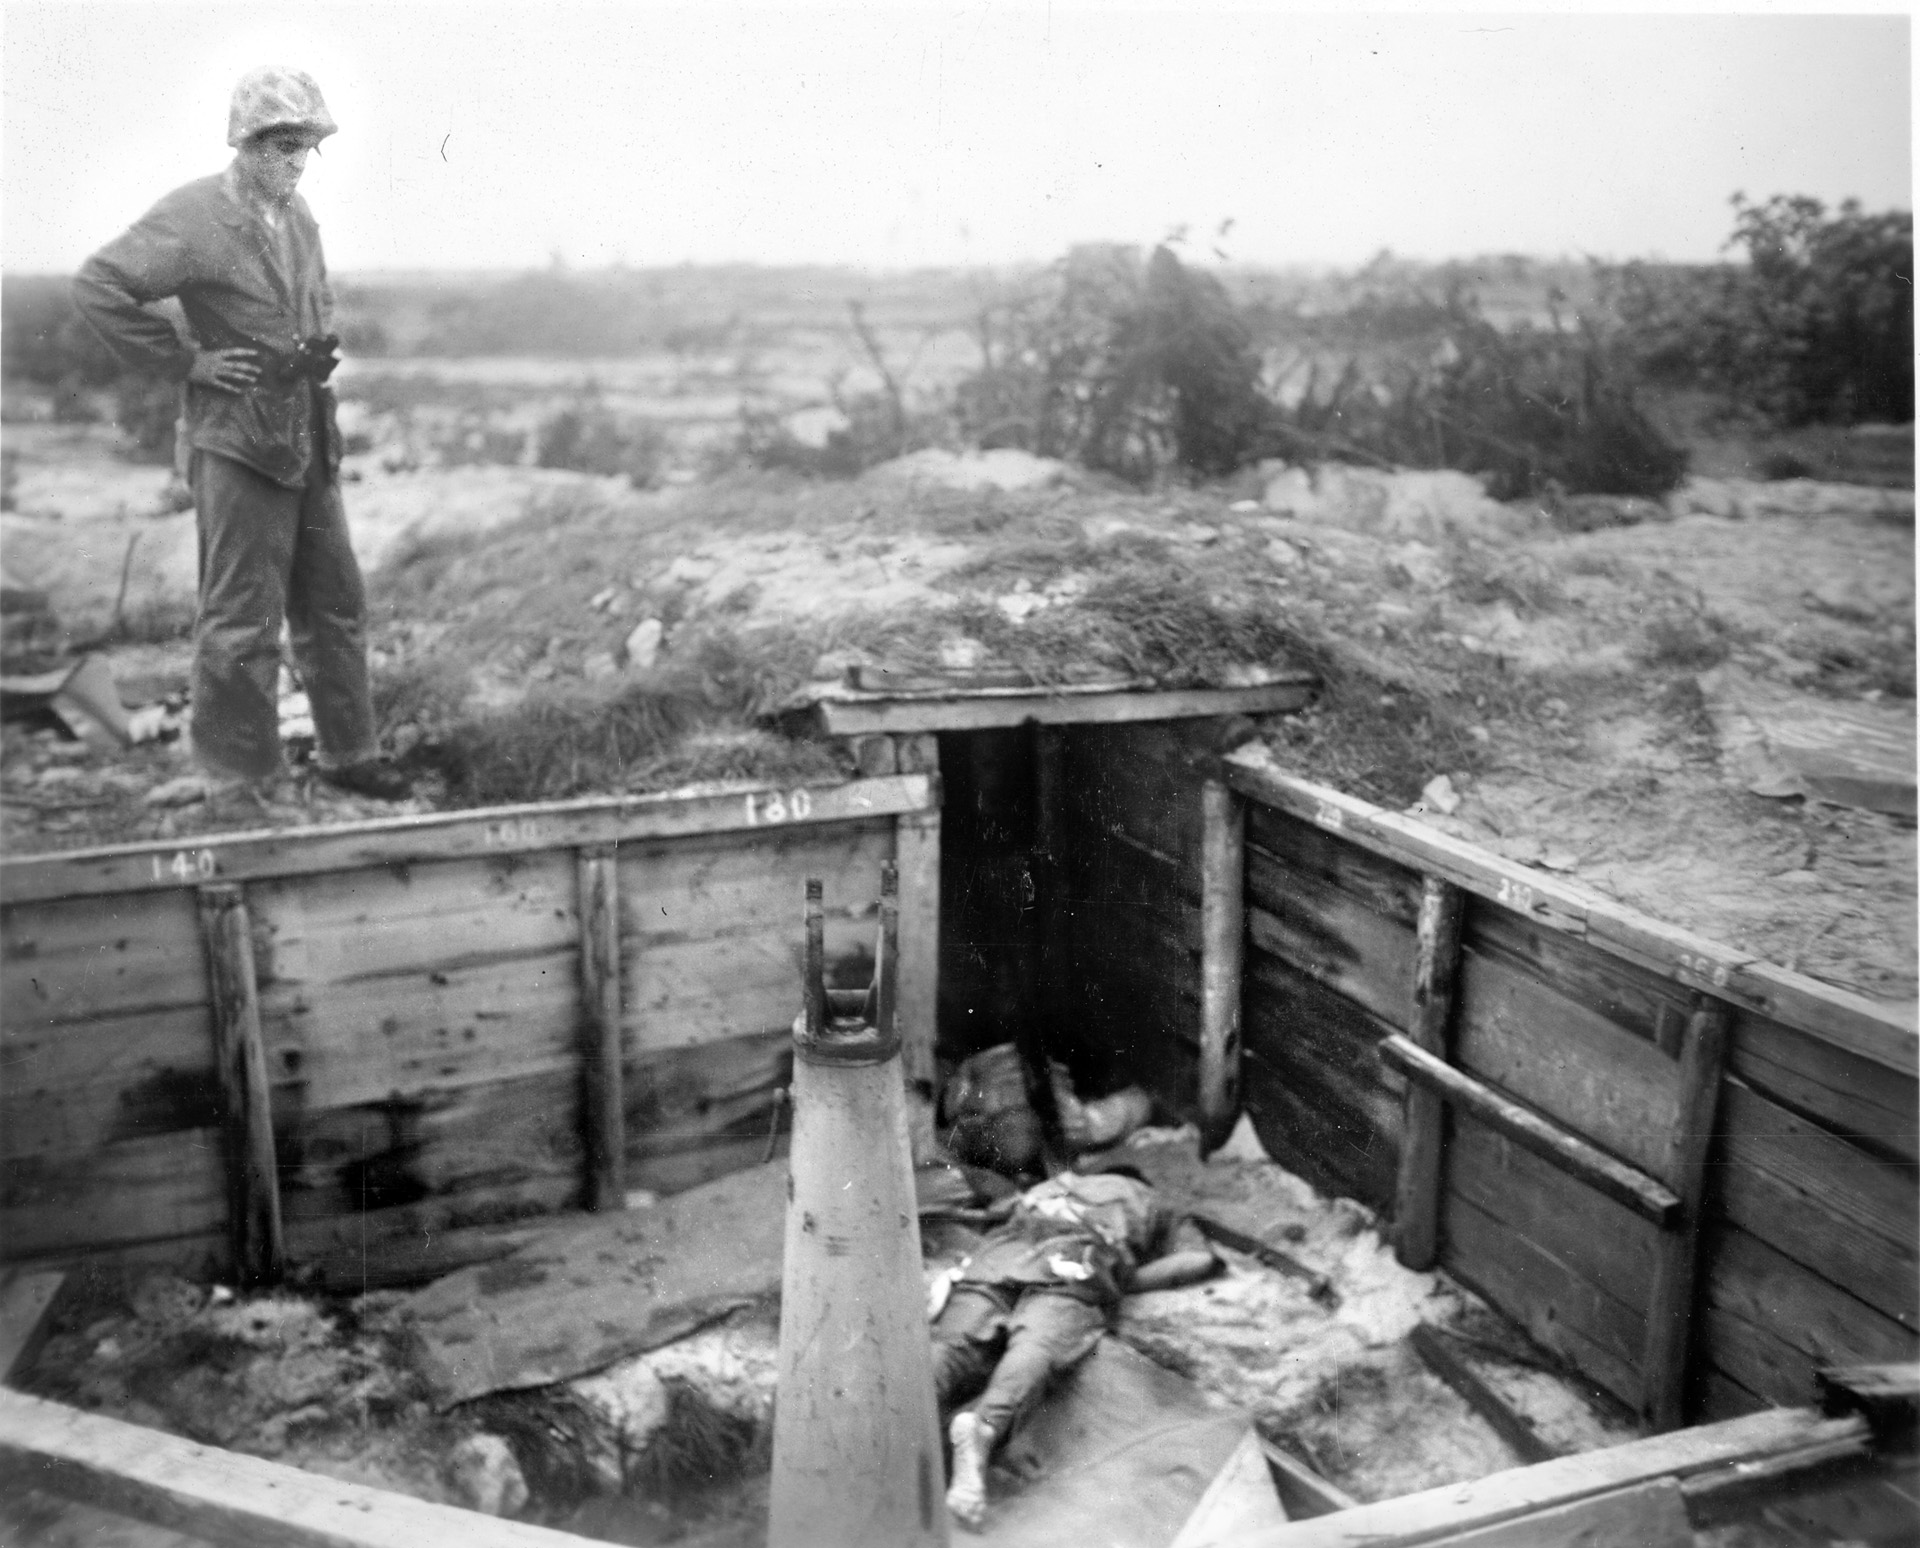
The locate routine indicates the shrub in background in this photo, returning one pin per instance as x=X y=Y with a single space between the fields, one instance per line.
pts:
x=588 y=437
x=1815 y=327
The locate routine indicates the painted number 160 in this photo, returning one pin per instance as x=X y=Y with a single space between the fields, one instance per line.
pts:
x=772 y=806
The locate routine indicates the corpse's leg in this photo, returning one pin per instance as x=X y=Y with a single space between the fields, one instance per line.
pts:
x=968 y=1336
x=1047 y=1334
x=247 y=527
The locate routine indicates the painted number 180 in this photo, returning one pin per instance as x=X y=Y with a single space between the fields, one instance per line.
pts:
x=772 y=806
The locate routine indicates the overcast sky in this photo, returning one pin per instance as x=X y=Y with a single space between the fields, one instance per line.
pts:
x=893 y=134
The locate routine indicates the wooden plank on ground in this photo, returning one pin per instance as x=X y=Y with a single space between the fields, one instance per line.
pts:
x=850 y=712
x=1886 y=1035
x=1453 y=1367
x=246 y=1118
x=602 y=1287
x=456 y=835
x=1303 y=1492
x=1549 y=1140
x=1242 y=1498
x=224 y=1497
x=1430 y=1515
x=1416 y=1202
x=1888 y=1394
x=25 y=1295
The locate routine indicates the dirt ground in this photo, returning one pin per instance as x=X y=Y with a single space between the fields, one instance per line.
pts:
x=1578 y=670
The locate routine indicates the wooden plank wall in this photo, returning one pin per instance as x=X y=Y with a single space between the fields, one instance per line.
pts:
x=1131 y=832
x=710 y=952
x=420 y=1026
x=1809 y=1253
x=109 y=1102
x=1329 y=972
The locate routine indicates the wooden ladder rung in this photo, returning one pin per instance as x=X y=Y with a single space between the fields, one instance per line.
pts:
x=1581 y=1160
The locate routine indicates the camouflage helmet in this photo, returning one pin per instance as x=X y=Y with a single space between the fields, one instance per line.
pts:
x=271 y=97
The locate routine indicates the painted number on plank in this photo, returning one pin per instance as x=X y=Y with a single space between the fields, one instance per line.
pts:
x=186 y=865
x=772 y=806
x=1515 y=894
x=516 y=830
x=1327 y=815
x=1715 y=973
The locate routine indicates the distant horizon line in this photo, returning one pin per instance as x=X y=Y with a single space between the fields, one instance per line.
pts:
x=1305 y=266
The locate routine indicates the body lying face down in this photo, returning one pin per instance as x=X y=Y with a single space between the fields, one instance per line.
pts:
x=1033 y=1298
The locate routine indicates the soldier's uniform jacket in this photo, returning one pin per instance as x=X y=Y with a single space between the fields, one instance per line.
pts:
x=241 y=283
x=1081 y=1235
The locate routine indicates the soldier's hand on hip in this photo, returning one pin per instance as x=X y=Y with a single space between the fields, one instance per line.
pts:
x=230 y=370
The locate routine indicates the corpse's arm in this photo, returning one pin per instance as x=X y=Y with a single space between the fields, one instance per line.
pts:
x=113 y=288
x=1189 y=1259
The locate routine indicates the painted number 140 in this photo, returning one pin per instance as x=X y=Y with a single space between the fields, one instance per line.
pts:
x=187 y=865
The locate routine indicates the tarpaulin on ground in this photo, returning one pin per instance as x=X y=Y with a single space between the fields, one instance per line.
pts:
x=1120 y=1454
x=594 y=1291
x=1777 y=742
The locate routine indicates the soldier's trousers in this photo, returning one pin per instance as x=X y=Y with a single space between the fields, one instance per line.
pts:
x=267 y=554
x=1007 y=1346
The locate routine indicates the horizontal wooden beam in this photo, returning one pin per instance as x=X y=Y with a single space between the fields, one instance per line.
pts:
x=1452 y=1367
x=498 y=830
x=1433 y=1515
x=1584 y=1162
x=223 y=1496
x=1303 y=1491
x=1883 y=1033
x=1889 y=1395
x=850 y=712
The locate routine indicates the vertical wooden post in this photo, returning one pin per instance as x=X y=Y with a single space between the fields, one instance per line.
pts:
x=1416 y=1209
x=604 y=1129
x=1223 y=930
x=1663 y=1368
x=814 y=989
x=1040 y=991
x=886 y=972
x=253 y=1182
x=916 y=838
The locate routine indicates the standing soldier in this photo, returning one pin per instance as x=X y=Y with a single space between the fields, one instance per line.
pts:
x=241 y=251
